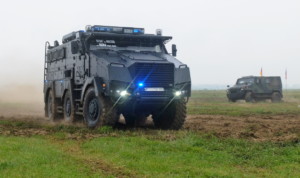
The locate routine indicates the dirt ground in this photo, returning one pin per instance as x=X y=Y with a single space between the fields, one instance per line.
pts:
x=278 y=128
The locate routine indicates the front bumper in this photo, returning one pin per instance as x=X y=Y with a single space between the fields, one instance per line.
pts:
x=235 y=95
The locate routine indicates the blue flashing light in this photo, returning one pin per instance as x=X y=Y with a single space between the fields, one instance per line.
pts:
x=102 y=29
x=137 y=30
x=141 y=84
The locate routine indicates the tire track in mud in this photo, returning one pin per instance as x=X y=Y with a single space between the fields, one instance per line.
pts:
x=274 y=128
x=95 y=164
x=70 y=143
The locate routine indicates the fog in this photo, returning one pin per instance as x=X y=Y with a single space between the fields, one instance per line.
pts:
x=219 y=40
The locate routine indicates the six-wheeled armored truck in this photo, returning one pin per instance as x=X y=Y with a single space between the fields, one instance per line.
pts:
x=105 y=71
x=253 y=88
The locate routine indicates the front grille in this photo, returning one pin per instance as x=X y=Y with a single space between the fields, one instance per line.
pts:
x=155 y=75
x=154 y=93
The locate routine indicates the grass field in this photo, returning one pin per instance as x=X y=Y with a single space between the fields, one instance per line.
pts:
x=214 y=103
x=41 y=149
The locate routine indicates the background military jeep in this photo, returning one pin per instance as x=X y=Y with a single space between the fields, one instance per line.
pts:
x=254 y=88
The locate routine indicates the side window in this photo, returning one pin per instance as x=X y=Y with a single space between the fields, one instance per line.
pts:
x=55 y=55
x=275 y=82
x=258 y=81
x=267 y=81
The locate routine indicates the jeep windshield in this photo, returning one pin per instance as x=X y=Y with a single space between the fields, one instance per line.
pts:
x=127 y=45
x=244 y=81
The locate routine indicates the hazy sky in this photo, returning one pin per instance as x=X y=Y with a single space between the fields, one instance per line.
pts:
x=220 y=40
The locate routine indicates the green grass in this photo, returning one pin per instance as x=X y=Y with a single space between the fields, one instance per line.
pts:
x=144 y=153
x=35 y=157
x=192 y=155
x=214 y=102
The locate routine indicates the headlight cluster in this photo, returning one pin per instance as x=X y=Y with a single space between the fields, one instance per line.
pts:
x=123 y=93
x=179 y=93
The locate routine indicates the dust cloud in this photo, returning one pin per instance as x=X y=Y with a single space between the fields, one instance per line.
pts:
x=25 y=94
x=16 y=100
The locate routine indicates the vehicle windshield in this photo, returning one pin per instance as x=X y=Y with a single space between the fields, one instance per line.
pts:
x=243 y=81
x=132 y=45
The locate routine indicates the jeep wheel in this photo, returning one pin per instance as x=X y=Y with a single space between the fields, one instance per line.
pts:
x=232 y=100
x=276 y=97
x=249 y=97
x=68 y=108
x=173 y=117
x=51 y=107
x=92 y=109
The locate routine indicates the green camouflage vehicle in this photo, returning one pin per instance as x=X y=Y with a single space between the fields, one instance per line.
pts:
x=253 y=88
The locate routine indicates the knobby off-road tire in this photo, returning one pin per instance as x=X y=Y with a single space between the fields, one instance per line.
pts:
x=51 y=107
x=231 y=100
x=98 y=111
x=173 y=117
x=68 y=108
x=249 y=97
x=276 y=97
x=93 y=109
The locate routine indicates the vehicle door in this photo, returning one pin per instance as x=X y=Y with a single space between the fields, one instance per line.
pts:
x=266 y=85
x=257 y=86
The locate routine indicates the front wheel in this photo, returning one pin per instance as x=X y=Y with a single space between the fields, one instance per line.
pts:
x=172 y=117
x=249 y=97
x=92 y=109
x=232 y=100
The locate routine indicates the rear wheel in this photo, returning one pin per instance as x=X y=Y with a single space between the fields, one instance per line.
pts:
x=249 y=97
x=68 y=108
x=276 y=97
x=173 y=117
x=51 y=107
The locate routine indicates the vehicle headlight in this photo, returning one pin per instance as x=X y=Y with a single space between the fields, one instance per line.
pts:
x=178 y=93
x=123 y=93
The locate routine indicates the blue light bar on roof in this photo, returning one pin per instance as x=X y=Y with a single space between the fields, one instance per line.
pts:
x=101 y=29
x=133 y=30
x=110 y=29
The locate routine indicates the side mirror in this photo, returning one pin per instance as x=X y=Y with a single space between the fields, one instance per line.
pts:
x=174 y=50
x=228 y=86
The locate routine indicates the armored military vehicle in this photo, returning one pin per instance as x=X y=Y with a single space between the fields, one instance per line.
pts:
x=105 y=71
x=254 y=88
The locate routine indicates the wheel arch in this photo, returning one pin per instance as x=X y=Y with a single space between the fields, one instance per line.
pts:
x=92 y=82
x=67 y=88
x=280 y=92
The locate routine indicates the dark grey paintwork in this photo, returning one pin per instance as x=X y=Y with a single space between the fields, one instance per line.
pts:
x=75 y=66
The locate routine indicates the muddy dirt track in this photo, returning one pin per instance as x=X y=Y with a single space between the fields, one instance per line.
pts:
x=276 y=128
